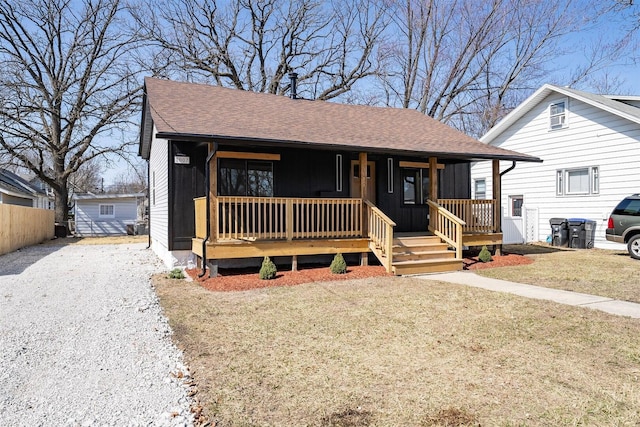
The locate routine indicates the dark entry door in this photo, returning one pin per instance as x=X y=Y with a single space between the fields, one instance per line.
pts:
x=187 y=181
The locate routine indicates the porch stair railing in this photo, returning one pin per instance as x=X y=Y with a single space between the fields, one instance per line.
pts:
x=380 y=235
x=447 y=226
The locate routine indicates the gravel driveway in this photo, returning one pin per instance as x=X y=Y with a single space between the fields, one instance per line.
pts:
x=83 y=340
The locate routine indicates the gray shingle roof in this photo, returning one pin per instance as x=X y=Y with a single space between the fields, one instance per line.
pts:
x=189 y=110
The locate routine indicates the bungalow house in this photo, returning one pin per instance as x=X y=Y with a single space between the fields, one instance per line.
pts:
x=590 y=145
x=107 y=214
x=237 y=174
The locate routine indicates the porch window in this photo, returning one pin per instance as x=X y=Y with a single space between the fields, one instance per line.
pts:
x=415 y=186
x=246 y=178
x=107 y=211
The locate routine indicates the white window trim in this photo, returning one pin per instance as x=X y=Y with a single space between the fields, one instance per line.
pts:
x=562 y=182
x=113 y=209
x=565 y=124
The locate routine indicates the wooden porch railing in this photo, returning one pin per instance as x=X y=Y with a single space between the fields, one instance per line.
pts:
x=266 y=218
x=446 y=225
x=380 y=234
x=478 y=215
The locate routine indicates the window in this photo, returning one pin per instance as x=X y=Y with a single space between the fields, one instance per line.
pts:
x=579 y=181
x=107 y=211
x=415 y=186
x=338 y=172
x=558 y=115
x=246 y=178
x=389 y=175
x=480 y=187
x=516 y=205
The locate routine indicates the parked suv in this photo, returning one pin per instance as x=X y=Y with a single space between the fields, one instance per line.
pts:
x=624 y=224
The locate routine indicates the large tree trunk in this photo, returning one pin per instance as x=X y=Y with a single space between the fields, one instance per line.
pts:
x=62 y=204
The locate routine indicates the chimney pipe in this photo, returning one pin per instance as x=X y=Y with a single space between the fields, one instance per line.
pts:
x=293 y=94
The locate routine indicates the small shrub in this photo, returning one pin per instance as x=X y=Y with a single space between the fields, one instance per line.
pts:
x=176 y=273
x=268 y=270
x=485 y=255
x=338 y=265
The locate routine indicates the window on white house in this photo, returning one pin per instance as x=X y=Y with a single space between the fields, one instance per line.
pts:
x=480 y=188
x=107 y=211
x=558 y=115
x=578 y=181
x=516 y=205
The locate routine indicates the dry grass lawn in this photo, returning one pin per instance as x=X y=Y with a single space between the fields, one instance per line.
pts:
x=393 y=351
x=607 y=273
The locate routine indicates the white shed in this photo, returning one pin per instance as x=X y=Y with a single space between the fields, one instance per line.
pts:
x=590 y=147
x=106 y=214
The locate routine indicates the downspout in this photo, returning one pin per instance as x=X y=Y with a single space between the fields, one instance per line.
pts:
x=509 y=169
x=207 y=180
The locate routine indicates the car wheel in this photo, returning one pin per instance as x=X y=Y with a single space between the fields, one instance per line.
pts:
x=634 y=246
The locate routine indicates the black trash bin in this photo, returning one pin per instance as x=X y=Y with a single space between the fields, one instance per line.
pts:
x=559 y=232
x=581 y=233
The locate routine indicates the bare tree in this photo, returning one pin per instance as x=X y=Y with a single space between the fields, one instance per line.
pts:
x=253 y=44
x=69 y=85
x=468 y=62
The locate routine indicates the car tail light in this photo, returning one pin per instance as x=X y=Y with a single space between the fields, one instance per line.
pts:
x=610 y=223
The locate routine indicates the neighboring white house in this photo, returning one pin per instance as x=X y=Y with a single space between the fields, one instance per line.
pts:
x=107 y=214
x=590 y=147
x=15 y=190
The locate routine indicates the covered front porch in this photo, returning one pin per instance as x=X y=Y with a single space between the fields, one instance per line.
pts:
x=231 y=227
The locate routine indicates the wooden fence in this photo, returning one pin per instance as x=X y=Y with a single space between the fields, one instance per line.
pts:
x=22 y=226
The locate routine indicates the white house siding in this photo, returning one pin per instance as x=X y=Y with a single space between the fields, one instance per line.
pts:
x=594 y=137
x=159 y=199
x=89 y=223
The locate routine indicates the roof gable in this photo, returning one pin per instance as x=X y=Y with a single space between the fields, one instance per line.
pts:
x=188 y=110
x=607 y=103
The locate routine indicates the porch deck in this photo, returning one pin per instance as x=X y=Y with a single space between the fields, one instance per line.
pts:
x=250 y=227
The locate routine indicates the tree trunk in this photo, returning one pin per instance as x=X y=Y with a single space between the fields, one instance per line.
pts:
x=62 y=204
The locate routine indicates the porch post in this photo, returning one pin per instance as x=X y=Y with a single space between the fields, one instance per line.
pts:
x=497 y=204
x=213 y=193
x=363 y=191
x=433 y=187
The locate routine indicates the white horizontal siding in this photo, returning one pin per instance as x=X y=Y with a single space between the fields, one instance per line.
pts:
x=88 y=221
x=594 y=137
x=159 y=198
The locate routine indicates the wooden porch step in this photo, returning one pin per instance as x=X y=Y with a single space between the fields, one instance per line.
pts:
x=426 y=266
x=420 y=253
x=423 y=255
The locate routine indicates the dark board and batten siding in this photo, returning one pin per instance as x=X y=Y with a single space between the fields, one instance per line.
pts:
x=186 y=182
x=306 y=173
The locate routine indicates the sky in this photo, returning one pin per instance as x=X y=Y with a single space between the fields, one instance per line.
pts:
x=622 y=75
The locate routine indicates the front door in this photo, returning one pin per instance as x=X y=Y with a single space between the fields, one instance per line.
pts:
x=371 y=180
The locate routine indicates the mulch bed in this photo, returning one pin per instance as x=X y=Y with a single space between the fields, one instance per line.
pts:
x=246 y=279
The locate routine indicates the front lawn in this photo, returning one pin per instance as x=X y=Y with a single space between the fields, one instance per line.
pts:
x=607 y=273
x=391 y=351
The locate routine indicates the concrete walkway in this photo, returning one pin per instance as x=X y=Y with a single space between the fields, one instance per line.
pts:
x=609 y=305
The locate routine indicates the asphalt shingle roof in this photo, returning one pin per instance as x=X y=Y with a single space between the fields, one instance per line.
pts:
x=192 y=110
